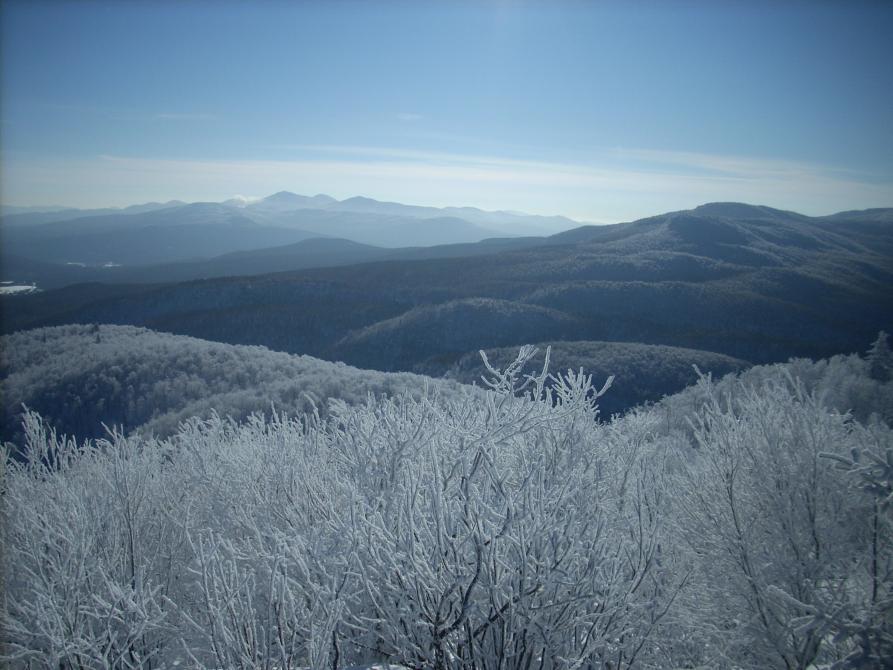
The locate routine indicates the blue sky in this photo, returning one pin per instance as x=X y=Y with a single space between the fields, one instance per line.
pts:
x=600 y=111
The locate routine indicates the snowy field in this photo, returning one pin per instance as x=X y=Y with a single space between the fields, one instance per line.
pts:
x=8 y=288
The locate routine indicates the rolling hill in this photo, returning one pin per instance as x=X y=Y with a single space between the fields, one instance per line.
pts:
x=447 y=330
x=29 y=216
x=136 y=378
x=141 y=379
x=314 y=252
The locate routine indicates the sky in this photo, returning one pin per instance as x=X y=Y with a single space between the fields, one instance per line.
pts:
x=599 y=111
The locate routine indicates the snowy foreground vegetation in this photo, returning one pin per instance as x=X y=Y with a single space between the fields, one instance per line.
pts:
x=742 y=524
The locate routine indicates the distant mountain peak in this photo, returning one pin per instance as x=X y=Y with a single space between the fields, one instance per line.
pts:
x=282 y=195
x=287 y=199
x=360 y=199
x=204 y=206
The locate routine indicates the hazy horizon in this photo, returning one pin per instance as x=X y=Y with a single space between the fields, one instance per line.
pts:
x=254 y=199
x=600 y=113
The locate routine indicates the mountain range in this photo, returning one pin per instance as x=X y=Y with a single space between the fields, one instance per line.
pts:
x=753 y=283
x=48 y=247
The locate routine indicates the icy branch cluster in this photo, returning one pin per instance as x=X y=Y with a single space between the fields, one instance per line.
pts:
x=505 y=530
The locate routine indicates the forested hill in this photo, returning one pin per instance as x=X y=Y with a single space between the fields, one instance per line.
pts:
x=79 y=377
x=314 y=252
x=750 y=282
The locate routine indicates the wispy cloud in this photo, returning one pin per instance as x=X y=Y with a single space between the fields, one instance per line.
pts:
x=637 y=170
x=409 y=116
x=743 y=167
x=618 y=160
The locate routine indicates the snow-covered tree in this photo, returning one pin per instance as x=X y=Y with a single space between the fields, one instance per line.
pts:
x=761 y=512
x=880 y=358
x=507 y=528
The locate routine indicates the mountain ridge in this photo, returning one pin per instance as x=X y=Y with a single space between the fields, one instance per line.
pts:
x=363 y=220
